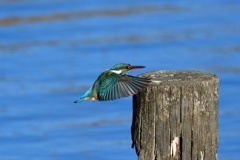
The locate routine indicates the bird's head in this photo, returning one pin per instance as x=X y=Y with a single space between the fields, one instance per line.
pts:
x=122 y=68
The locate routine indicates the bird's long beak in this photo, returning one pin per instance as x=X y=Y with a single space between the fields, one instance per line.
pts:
x=137 y=67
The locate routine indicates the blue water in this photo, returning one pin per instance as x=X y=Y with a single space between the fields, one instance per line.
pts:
x=52 y=51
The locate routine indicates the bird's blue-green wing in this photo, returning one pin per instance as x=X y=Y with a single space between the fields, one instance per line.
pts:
x=113 y=86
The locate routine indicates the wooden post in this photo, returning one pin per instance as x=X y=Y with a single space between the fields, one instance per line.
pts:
x=177 y=119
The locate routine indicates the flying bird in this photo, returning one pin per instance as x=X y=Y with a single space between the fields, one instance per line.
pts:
x=115 y=83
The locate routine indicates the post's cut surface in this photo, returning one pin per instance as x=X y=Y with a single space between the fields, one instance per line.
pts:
x=177 y=118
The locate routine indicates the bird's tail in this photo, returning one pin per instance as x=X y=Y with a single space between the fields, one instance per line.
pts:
x=86 y=95
x=80 y=99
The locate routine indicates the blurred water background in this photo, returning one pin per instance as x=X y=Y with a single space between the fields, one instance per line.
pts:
x=52 y=51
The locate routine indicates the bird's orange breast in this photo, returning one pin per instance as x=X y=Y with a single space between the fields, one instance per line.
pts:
x=90 y=98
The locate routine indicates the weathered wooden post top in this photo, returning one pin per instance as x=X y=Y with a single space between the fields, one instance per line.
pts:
x=176 y=117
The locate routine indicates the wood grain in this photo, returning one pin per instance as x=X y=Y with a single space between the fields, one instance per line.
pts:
x=176 y=117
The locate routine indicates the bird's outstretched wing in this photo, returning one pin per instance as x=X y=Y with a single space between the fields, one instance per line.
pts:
x=113 y=86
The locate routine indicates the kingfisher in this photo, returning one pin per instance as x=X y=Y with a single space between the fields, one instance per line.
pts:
x=115 y=83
